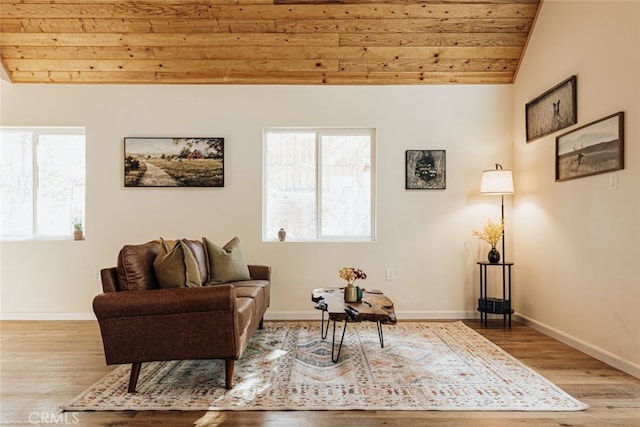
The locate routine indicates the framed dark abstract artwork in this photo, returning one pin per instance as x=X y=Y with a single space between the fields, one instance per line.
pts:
x=425 y=170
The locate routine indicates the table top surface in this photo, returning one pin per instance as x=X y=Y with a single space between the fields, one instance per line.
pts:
x=494 y=263
x=374 y=306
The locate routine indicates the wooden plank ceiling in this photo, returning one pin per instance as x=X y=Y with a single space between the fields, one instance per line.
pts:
x=264 y=41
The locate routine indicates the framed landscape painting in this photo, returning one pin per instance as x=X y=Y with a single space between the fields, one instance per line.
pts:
x=597 y=147
x=174 y=162
x=425 y=170
x=555 y=109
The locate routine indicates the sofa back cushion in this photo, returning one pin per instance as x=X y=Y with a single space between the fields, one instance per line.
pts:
x=197 y=248
x=135 y=267
x=176 y=267
x=226 y=264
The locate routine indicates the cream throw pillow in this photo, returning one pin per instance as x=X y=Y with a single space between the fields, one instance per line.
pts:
x=226 y=264
x=176 y=267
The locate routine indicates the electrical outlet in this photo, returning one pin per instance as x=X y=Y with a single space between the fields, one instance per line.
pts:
x=389 y=274
x=96 y=276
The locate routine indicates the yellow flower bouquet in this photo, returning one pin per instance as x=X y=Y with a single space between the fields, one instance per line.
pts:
x=491 y=233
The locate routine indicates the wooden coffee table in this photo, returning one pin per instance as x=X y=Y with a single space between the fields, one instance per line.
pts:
x=374 y=307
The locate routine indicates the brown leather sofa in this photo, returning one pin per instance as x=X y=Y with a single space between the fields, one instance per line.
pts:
x=140 y=322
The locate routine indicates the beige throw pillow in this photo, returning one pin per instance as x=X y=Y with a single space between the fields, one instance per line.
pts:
x=176 y=267
x=226 y=264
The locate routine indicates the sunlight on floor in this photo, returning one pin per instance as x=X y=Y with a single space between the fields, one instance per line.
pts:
x=211 y=419
x=248 y=389
x=275 y=354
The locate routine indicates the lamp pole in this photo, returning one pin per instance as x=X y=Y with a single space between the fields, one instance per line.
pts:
x=504 y=256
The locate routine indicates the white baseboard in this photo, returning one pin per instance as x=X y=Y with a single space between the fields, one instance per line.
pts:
x=47 y=316
x=593 y=351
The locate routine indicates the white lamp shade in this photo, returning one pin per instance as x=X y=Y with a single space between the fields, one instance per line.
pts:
x=496 y=181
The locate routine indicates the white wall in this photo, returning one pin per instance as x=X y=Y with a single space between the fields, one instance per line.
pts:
x=424 y=235
x=578 y=242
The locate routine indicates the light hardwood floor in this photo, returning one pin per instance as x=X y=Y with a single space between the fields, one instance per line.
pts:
x=45 y=364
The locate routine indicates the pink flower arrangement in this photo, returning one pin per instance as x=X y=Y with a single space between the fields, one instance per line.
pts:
x=351 y=274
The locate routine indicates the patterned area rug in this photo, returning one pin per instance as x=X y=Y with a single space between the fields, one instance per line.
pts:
x=423 y=366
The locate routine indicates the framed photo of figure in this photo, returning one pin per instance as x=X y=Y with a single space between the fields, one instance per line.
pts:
x=594 y=148
x=555 y=109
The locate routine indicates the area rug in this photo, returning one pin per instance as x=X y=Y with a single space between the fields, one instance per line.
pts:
x=443 y=366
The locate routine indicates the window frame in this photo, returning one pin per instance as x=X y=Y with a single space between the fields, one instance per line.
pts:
x=36 y=132
x=320 y=132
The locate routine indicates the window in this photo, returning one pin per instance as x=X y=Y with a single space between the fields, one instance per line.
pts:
x=318 y=184
x=42 y=175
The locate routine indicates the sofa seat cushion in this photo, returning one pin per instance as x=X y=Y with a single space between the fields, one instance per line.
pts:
x=249 y=291
x=265 y=285
x=246 y=308
x=257 y=293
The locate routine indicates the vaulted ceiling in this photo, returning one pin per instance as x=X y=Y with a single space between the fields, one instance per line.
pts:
x=316 y=42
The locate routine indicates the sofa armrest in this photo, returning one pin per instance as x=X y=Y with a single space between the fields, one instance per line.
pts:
x=260 y=272
x=162 y=302
x=109 y=279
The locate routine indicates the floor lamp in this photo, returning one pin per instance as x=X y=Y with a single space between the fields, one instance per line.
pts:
x=498 y=182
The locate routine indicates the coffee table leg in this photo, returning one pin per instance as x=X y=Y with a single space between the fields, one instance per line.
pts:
x=380 y=334
x=324 y=330
x=335 y=358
